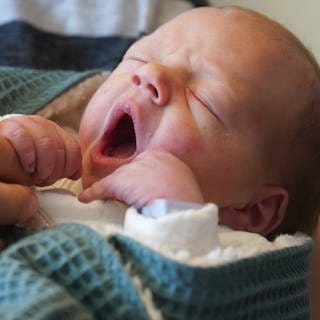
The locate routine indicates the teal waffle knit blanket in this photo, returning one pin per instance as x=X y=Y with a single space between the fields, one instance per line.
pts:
x=26 y=91
x=70 y=272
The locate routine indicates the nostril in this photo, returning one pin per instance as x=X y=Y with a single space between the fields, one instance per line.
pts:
x=153 y=90
x=136 y=80
x=145 y=84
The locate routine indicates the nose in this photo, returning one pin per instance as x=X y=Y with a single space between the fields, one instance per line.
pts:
x=154 y=81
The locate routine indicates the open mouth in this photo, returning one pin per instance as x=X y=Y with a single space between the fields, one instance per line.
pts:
x=121 y=141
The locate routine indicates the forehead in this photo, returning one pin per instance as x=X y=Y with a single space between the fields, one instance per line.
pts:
x=230 y=40
x=232 y=43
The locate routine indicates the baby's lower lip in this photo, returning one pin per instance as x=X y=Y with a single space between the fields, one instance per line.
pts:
x=123 y=151
x=114 y=159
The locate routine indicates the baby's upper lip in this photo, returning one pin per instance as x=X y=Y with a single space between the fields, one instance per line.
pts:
x=120 y=139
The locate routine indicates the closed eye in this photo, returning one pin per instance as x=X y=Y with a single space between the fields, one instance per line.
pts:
x=135 y=58
x=204 y=102
x=200 y=99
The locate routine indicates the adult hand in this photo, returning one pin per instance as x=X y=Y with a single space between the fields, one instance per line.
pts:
x=17 y=200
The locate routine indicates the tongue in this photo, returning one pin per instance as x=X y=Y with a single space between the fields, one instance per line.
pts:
x=121 y=151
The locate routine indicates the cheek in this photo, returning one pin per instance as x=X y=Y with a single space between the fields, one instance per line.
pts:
x=215 y=173
x=190 y=136
x=89 y=130
x=228 y=172
x=92 y=119
x=96 y=112
x=180 y=139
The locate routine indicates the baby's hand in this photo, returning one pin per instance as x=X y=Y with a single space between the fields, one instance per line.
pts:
x=151 y=175
x=45 y=150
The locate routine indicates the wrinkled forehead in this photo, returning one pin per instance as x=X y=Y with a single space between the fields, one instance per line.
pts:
x=232 y=40
x=213 y=32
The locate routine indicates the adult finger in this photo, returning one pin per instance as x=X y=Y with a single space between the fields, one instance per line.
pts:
x=10 y=166
x=17 y=204
x=15 y=131
x=45 y=144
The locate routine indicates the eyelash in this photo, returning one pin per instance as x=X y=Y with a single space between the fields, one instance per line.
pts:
x=204 y=103
x=134 y=58
x=200 y=99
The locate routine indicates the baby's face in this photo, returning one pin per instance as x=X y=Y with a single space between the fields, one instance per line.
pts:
x=201 y=88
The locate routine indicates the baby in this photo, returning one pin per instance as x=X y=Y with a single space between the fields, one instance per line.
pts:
x=217 y=105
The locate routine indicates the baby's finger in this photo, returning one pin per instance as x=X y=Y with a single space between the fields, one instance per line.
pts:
x=77 y=175
x=17 y=204
x=57 y=172
x=15 y=131
x=46 y=157
x=98 y=190
x=68 y=161
x=73 y=157
x=48 y=147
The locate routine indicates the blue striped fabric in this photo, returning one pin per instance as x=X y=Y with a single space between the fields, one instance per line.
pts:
x=76 y=34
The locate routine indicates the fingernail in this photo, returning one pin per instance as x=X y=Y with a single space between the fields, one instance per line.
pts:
x=30 y=167
x=83 y=197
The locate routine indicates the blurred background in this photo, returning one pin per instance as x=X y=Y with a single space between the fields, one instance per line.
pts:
x=89 y=34
x=301 y=17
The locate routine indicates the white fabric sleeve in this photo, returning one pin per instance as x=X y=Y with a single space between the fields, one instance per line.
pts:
x=11 y=115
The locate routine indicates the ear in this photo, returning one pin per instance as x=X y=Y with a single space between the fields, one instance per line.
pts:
x=261 y=214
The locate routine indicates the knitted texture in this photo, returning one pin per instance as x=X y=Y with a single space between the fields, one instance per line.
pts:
x=26 y=91
x=66 y=273
x=269 y=286
x=70 y=272
x=53 y=51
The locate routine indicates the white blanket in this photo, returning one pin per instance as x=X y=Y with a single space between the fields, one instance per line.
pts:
x=192 y=236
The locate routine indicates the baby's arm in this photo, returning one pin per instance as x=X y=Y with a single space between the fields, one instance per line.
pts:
x=46 y=151
x=150 y=176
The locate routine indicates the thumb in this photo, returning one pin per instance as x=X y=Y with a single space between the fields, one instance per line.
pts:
x=17 y=204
